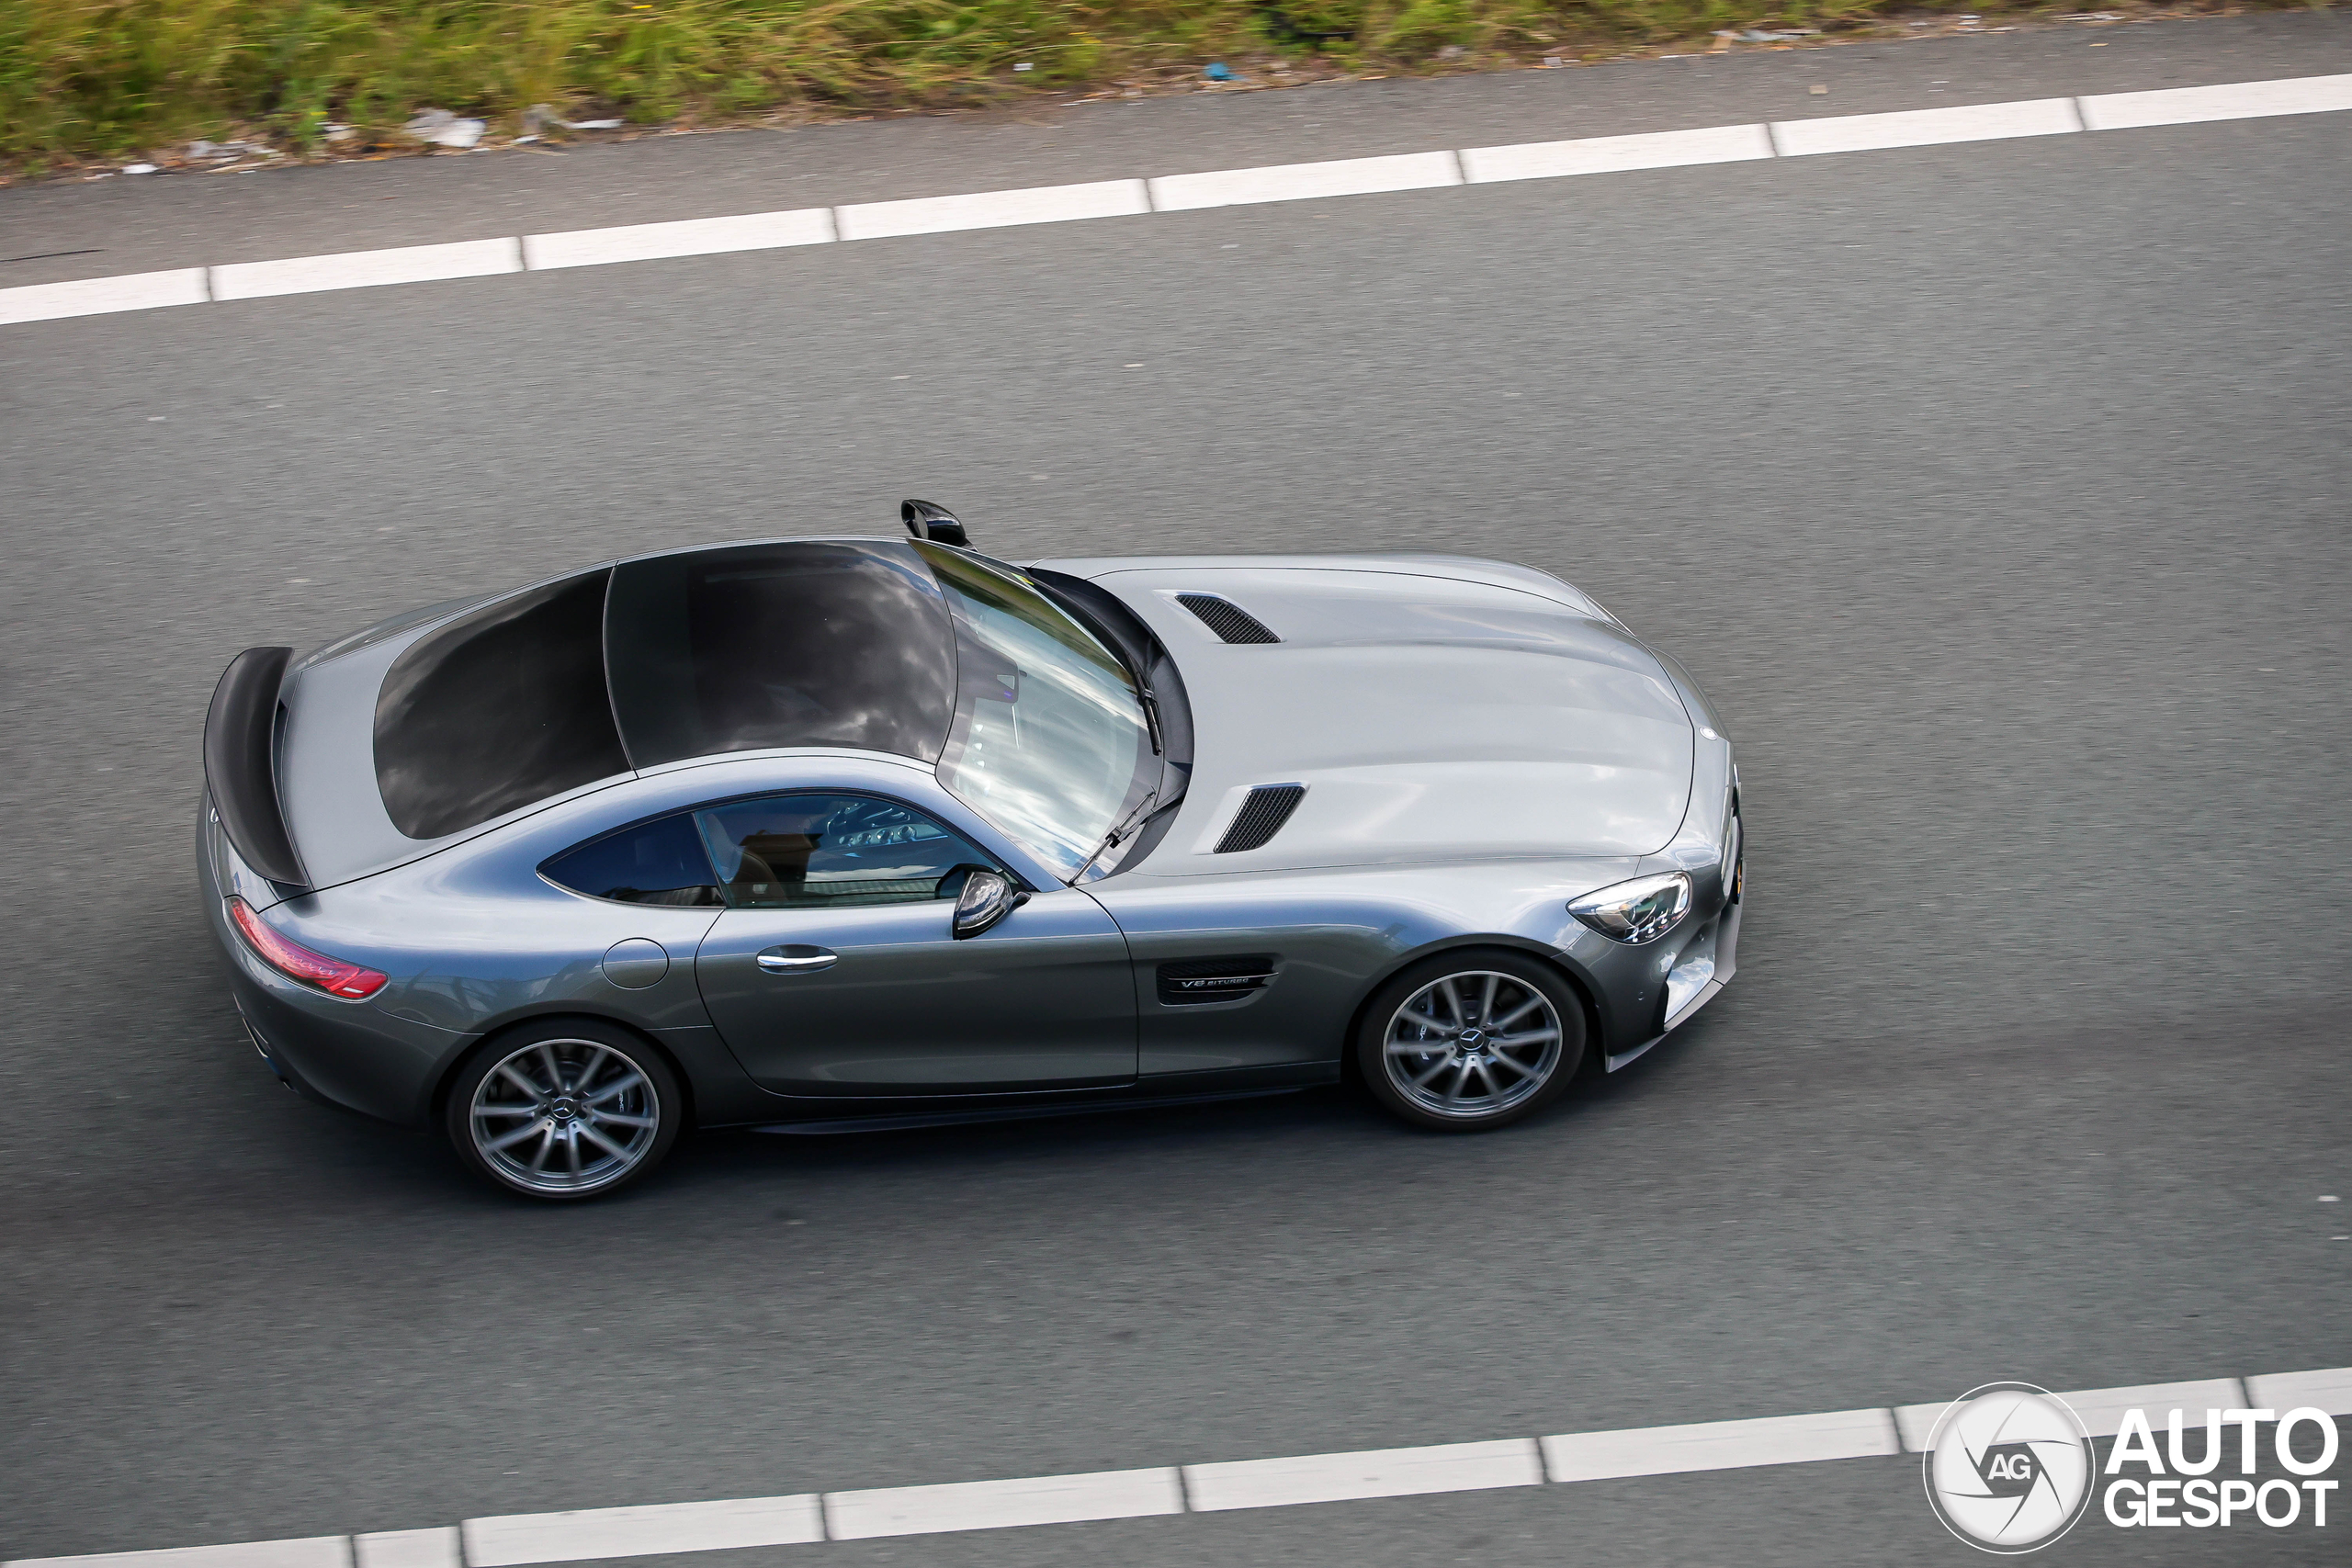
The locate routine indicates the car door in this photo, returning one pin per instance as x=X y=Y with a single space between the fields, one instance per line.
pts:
x=835 y=969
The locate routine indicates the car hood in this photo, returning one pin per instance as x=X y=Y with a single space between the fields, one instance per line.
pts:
x=1435 y=709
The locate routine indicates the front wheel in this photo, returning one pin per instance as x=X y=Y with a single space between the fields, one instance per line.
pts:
x=564 y=1110
x=1469 y=1040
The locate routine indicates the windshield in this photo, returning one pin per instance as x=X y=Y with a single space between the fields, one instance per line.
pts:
x=1049 y=742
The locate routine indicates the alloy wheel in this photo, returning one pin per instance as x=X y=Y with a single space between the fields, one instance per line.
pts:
x=564 y=1116
x=1470 y=1045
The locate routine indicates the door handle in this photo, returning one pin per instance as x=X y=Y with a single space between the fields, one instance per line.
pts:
x=797 y=959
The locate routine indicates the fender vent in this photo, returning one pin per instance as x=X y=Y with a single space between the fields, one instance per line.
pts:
x=1261 y=816
x=1196 y=980
x=1227 y=619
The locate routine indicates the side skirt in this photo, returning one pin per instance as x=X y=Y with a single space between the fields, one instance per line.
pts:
x=1012 y=1113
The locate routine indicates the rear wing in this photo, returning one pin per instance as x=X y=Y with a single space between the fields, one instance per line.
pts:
x=238 y=763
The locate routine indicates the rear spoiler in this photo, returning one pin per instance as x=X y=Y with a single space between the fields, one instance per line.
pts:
x=238 y=768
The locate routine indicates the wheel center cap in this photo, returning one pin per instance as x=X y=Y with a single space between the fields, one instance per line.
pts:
x=564 y=1109
x=1471 y=1039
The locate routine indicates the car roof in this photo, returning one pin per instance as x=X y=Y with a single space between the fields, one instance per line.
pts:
x=428 y=728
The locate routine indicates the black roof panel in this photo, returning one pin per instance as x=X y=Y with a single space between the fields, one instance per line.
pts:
x=800 y=643
x=496 y=710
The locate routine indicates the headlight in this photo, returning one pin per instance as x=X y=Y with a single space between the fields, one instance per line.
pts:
x=1637 y=910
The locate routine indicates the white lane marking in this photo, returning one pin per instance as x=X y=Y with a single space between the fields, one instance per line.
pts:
x=2329 y=1390
x=1379 y=1473
x=96 y=296
x=994 y=210
x=408 y=1548
x=1301 y=182
x=1288 y=182
x=313 y=1551
x=689 y=237
x=1720 y=1444
x=2237 y=100
x=997 y=1505
x=1613 y=155
x=2101 y=1408
x=642 y=1530
x=1925 y=127
x=366 y=269
x=1203 y=1488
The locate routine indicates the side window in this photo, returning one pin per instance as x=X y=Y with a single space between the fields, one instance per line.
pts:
x=655 y=863
x=800 y=851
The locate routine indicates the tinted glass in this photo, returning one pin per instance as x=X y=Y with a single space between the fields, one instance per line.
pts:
x=658 y=862
x=809 y=851
x=805 y=643
x=1049 y=742
x=496 y=710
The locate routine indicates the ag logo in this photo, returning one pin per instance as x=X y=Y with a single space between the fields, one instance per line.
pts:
x=2009 y=1468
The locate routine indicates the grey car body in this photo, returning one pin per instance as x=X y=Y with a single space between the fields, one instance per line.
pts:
x=1472 y=746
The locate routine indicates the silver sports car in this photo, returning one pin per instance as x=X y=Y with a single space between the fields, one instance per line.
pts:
x=835 y=833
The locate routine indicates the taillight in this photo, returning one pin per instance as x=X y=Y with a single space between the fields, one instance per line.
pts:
x=296 y=962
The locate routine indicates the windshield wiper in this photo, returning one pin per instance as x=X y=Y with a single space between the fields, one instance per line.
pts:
x=1151 y=716
x=1135 y=661
x=1120 y=832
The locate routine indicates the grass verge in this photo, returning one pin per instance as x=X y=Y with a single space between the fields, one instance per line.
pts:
x=83 y=80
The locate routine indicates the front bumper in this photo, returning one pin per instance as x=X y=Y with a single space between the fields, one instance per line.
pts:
x=1694 y=971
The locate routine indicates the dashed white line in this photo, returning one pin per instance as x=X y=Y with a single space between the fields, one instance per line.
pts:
x=311 y=1551
x=994 y=210
x=408 y=1548
x=1721 y=1445
x=1924 y=128
x=1303 y=182
x=1615 y=154
x=2330 y=1390
x=997 y=1505
x=2101 y=1408
x=640 y=1531
x=366 y=269
x=1177 y=193
x=2237 y=100
x=519 y=1539
x=99 y=296
x=689 y=237
x=1380 y=1473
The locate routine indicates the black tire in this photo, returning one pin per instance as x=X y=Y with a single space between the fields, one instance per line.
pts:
x=1492 y=1077
x=592 y=1088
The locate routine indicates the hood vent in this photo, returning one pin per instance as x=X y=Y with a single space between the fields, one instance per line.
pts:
x=1261 y=816
x=1227 y=619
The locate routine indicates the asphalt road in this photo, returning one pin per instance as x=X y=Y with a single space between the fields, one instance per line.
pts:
x=1997 y=493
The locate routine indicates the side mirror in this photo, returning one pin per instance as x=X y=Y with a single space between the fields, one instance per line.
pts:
x=929 y=520
x=987 y=899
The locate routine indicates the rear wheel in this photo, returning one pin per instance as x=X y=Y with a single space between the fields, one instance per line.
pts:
x=564 y=1110
x=1469 y=1040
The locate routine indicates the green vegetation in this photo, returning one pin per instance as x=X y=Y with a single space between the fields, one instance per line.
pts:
x=106 y=78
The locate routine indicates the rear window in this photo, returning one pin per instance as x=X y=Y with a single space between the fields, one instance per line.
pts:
x=655 y=863
x=496 y=710
x=804 y=643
